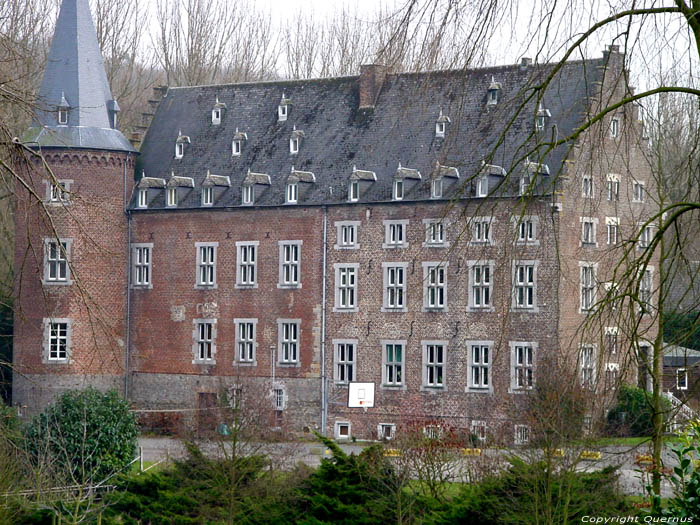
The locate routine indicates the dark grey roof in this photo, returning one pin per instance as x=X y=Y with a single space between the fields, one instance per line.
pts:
x=75 y=78
x=338 y=135
x=679 y=356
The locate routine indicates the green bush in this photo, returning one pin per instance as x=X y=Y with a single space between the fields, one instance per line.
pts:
x=632 y=416
x=85 y=437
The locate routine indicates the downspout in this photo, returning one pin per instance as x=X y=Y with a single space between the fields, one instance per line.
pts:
x=127 y=342
x=324 y=401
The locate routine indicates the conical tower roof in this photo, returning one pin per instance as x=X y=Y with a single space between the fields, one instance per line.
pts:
x=75 y=77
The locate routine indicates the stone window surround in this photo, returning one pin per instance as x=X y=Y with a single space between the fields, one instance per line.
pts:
x=198 y=283
x=46 y=325
x=237 y=360
x=195 y=341
x=280 y=282
x=134 y=247
x=45 y=275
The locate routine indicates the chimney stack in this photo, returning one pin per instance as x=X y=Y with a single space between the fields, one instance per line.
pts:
x=371 y=80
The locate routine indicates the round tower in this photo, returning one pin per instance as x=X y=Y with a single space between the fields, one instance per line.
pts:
x=71 y=232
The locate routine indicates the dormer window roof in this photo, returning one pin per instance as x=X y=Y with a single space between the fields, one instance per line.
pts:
x=445 y=171
x=295 y=178
x=295 y=140
x=535 y=167
x=218 y=112
x=363 y=175
x=482 y=179
x=176 y=181
x=180 y=145
x=493 y=92
x=283 y=109
x=407 y=173
x=151 y=182
x=63 y=108
x=541 y=117
x=251 y=179
x=441 y=125
x=239 y=139
x=216 y=180
x=301 y=176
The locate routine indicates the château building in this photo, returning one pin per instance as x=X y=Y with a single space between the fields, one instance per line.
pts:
x=423 y=232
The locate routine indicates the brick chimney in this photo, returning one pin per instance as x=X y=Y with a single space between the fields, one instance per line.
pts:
x=371 y=79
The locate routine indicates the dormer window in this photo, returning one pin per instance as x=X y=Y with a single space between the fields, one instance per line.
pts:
x=171 y=197
x=541 y=117
x=62 y=116
x=216 y=116
x=398 y=190
x=292 y=193
x=524 y=184
x=354 y=191
x=482 y=185
x=493 y=92
x=614 y=128
x=207 y=196
x=441 y=125
x=436 y=189
x=283 y=109
x=248 y=194
x=237 y=148
x=179 y=150
x=143 y=198
x=295 y=140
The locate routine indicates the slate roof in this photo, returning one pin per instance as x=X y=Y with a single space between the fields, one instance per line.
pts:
x=679 y=356
x=338 y=135
x=75 y=78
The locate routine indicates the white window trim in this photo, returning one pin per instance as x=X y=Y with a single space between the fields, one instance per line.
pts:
x=339 y=230
x=62 y=117
x=179 y=150
x=474 y=427
x=489 y=241
x=239 y=248
x=393 y=386
x=280 y=280
x=614 y=127
x=385 y=282
x=535 y=263
x=426 y=269
x=482 y=185
x=171 y=197
x=395 y=193
x=291 y=194
x=387 y=244
x=612 y=181
x=280 y=328
x=142 y=197
x=195 y=342
x=588 y=178
x=69 y=274
x=282 y=112
x=198 y=283
x=436 y=188
x=535 y=220
x=471 y=307
x=336 y=430
x=216 y=116
x=64 y=197
x=427 y=243
x=354 y=196
x=594 y=231
x=470 y=362
x=610 y=222
x=392 y=431
x=207 y=196
x=248 y=190
x=610 y=331
x=141 y=245
x=646 y=235
x=276 y=386
x=518 y=434
x=594 y=266
x=424 y=367
x=440 y=129
x=46 y=324
x=642 y=184
x=685 y=375
x=294 y=144
x=594 y=357
x=650 y=304
x=513 y=389
x=236 y=147
x=237 y=356
x=337 y=267
x=336 y=362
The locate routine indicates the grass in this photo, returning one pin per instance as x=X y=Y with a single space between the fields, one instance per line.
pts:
x=630 y=441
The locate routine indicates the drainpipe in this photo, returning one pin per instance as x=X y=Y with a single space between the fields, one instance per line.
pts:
x=127 y=343
x=324 y=400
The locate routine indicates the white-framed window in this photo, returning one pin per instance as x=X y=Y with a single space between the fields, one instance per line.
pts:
x=482 y=185
x=612 y=375
x=478 y=429
x=57 y=341
x=216 y=116
x=347 y=235
x=435 y=233
x=288 y=341
x=292 y=195
x=394 y=296
x=62 y=116
x=171 y=197
x=386 y=431
x=248 y=194
x=141 y=265
x=526 y=229
x=236 y=148
x=587 y=189
x=393 y=362
x=342 y=430
x=204 y=341
x=294 y=145
x=58 y=193
x=434 y=286
x=638 y=191
x=481 y=230
x=354 y=191
x=681 y=379
x=480 y=284
x=588 y=285
x=434 y=363
x=282 y=112
x=646 y=234
x=207 y=196
x=290 y=264
x=614 y=127
x=57 y=261
x=588 y=360
x=539 y=122
x=398 y=189
x=611 y=340
x=345 y=352
x=346 y=286
x=440 y=129
x=143 y=198
x=432 y=431
x=522 y=434
x=206 y=264
x=522 y=362
x=613 y=182
x=436 y=188
x=395 y=233
x=279 y=398
x=479 y=365
x=525 y=285
x=179 y=150
x=646 y=285
x=612 y=225
x=245 y=340
x=247 y=264
x=588 y=231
